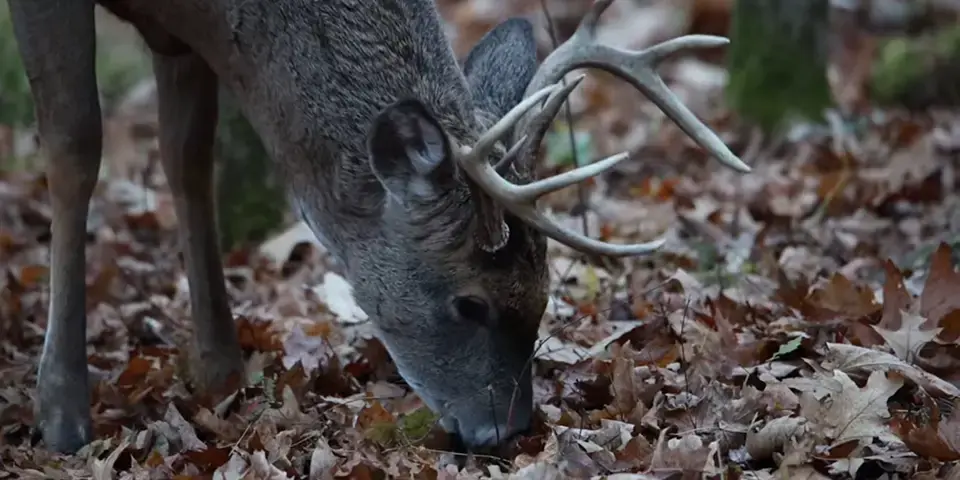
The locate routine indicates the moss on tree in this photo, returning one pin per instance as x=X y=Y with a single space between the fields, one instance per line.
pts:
x=919 y=72
x=250 y=201
x=777 y=61
x=16 y=104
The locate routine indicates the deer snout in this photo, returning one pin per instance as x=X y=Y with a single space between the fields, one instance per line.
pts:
x=489 y=437
x=485 y=429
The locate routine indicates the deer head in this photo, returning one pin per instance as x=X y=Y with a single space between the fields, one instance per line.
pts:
x=459 y=284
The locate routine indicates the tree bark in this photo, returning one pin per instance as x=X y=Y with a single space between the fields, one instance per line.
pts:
x=777 y=61
x=250 y=200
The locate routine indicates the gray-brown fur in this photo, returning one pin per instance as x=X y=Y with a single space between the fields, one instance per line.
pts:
x=313 y=78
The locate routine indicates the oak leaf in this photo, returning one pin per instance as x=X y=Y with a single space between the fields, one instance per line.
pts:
x=851 y=358
x=940 y=292
x=907 y=340
x=855 y=413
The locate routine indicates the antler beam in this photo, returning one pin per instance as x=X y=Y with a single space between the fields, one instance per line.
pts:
x=582 y=51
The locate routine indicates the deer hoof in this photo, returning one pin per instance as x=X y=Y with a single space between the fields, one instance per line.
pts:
x=63 y=417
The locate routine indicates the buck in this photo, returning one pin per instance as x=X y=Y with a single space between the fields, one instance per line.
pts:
x=414 y=172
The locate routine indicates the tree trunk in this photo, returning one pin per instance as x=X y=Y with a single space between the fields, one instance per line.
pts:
x=777 y=61
x=250 y=201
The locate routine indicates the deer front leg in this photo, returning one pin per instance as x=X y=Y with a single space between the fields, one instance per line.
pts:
x=187 y=97
x=57 y=43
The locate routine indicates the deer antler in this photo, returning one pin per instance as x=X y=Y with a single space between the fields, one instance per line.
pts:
x=580 y=51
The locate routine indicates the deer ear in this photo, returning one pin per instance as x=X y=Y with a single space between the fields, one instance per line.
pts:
x=501 y=65
x=409 y=152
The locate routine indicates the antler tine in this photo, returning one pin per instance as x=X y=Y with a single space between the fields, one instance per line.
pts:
x=521 y=200
x=473 y=160
x=532 y=191
x=582 y=51
x=531 y=216
x=637 y=68
x=484 y=145
x=535 y=131
x=503 y=166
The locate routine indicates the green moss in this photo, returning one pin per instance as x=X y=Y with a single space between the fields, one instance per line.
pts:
x=16 y=104
x=417 y=424
x=918 y=71
x=385 y=434
x=777 y=61
x=411 y=429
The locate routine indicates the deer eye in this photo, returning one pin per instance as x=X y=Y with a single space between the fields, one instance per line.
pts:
x=473 y=308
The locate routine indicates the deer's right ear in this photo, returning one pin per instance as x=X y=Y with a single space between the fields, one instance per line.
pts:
x=409 y=152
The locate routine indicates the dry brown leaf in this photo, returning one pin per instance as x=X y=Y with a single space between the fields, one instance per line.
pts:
x=262 y=469
x=940 y=296
x=225 y=430
x=289 y=414
x=907 y=166
x=841 y=296
x=323 y=462
x=688 y=453
x=310 y=351
x=103 y=469
x=856 y=413
x=851 y=358
x=774 y=436
x=895 y=297
x=185 y=431
x=626 y=356
x=805 y=472
x=928 y=439
x=909 y=338
x=623 y=381
x=373 y=414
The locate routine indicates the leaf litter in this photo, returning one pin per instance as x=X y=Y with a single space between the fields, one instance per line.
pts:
x=763 y=342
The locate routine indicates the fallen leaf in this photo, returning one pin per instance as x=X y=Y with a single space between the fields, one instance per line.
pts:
x=851 y=358
x=939 y=296
x=856 y=413
x=103 y=469
x=187 y=435
x=895 y=297
x=323 y=462
x=310 y=351
x=909 y=338
x=279 y=248
x=841 y=296
x=774 y=437
x=337 y=295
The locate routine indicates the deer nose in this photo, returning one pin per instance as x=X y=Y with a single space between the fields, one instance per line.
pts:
x=504 y=448
x=489 y=439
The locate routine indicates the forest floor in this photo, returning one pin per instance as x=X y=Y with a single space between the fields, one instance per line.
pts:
x=802 y=321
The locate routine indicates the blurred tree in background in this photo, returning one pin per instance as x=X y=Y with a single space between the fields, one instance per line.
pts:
x=919 y=72
x=16 y=105
x=891 y=53
x=251 y=204
x=777 y=61
x=250 y=201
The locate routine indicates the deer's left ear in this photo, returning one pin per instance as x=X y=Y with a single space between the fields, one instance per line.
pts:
x=501 y=65
x=409 y=152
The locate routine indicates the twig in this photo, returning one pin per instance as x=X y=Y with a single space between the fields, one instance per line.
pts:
x=568 y=117
x=842 y=152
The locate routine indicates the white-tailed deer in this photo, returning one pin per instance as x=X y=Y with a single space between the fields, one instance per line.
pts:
x=391 y=153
